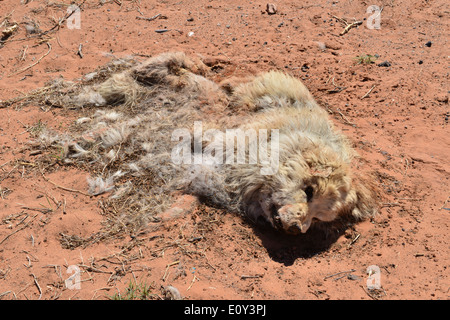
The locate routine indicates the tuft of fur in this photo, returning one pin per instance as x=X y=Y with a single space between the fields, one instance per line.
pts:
x=174 y=69
x=127 y=126
x=99 y=185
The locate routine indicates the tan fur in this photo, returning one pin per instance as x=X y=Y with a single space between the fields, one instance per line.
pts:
x=315 y=159
x=173 y=68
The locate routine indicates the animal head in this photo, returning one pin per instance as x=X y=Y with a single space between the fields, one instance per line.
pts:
x=301 y=195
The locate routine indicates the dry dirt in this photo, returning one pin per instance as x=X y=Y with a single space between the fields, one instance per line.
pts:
x=400 y=129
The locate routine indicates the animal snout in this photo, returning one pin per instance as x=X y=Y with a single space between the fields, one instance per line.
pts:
x=293 y=218
x=294 y=229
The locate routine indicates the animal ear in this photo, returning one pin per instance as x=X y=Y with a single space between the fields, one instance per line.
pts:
x=323 y=172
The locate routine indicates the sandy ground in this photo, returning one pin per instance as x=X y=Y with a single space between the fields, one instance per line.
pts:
x=396 y=115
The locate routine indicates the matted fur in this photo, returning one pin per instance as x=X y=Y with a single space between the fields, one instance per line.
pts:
x=138 y=108
x=314 y=181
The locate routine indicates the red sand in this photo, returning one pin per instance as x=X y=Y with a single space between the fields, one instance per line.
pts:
x=400 y=130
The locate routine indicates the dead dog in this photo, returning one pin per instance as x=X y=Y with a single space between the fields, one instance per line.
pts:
x=309 y=180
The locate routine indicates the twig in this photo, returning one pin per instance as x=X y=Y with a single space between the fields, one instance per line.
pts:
x=1 y=166
x=41 y=210
x=443 y=206
x=68 y=189
x=368 y=92
x=37 y=285
x=350 y=26
x=347 y=25
x=149 y=19
x=343 y=21
x=368 y=293
x=192 y=282
x=23 y=227
x=354 y=240
x=92 y=269
x=345 y=119
x=33 y=64
x=29 y=263
x=336 y=279
x=59 y=42
x=7 y=175
x=21 y=221
x=60 y=22
x=256 y=276
x=64 y=188
x=79 y=51
x=167 y=268
x=337 y=88
x=338 y=273
x=23 y=53
x=391 y=204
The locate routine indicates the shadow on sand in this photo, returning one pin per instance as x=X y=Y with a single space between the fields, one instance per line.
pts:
x=284 y=248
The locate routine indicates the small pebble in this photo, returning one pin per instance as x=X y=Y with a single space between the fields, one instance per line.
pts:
x=384 y=64
x=352 y=277
x=271 y=8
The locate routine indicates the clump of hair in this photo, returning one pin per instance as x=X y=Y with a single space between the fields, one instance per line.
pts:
x=129 y=111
